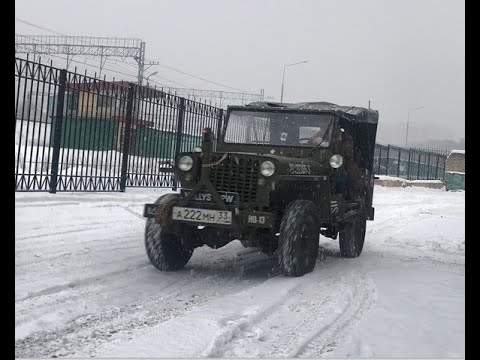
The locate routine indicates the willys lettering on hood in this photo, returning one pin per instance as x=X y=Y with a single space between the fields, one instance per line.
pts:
x=229 y=198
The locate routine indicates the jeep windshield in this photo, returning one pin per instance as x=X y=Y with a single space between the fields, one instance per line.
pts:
x=279 y=129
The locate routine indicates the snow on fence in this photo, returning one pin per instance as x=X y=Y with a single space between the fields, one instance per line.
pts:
x=33 y=169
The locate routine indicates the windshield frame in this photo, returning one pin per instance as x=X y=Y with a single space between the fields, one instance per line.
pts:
x=282 y=111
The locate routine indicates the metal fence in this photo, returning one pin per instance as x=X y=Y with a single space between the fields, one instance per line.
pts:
x=411 y=164
x=78 y=133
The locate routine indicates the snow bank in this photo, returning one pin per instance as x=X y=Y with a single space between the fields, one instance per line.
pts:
x=390 y=181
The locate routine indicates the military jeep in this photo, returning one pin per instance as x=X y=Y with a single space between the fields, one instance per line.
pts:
x=278 y=177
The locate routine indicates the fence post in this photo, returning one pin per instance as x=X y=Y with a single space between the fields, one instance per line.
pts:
x=436 y=169
x=388 y=156
x=379 y=158
x=428 y=166
x=126 y=137
x=398 y=165
x=219 y=126
x=178 y=143
x=408 y=164
x=418 y=167
x=58 y=130
x=444 y=166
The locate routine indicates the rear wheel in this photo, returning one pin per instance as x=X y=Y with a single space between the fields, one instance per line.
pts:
x=352 y=236
x=299 y=235
x=165 y=249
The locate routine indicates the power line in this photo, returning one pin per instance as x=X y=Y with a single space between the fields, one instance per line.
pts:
x=38 y=26
x=163 y=78
x=191 y=75
x=200 y=78
x=194 y=76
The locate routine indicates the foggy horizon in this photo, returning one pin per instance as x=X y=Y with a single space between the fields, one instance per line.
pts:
x=398 y=55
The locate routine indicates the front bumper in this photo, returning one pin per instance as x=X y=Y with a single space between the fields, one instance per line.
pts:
x=239 y=218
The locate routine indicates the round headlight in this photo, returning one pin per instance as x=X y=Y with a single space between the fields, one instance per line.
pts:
x=336 y=161
x=197 y=149
x=185 y=163
x=267 y=168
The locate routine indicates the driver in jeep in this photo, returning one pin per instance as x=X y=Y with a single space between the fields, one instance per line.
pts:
x=317 y=138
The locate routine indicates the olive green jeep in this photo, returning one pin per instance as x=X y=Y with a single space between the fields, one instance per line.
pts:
x=281 y=175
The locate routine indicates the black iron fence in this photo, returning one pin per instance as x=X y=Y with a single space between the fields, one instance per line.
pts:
x=411 y=164
x=78 y=133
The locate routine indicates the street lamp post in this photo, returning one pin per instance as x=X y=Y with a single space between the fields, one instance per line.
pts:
x=408 y=122
x=283 y=77
x=148 y=77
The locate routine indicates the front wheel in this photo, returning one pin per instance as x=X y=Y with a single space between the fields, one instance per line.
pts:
x=352 y=236
x=299 y=235
x=165 y=249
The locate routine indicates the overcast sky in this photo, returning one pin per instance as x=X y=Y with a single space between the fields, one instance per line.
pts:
x=397 y=54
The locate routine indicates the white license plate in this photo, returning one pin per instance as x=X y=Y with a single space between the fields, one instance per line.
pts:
x=202 y=215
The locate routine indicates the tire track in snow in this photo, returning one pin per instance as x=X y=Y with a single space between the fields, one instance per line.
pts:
x=62 y=255
x=96 y=328
x=235 y=328
x=80 y=282
x=243 y=264
x=328 y=336
x=64 y=268
x=78 y=247
x=50 y=204
x=274 y=334
x=302 y=321
x=80 y=227
x=72 y=242
x=131 y=211
x=239 y=332
x=211 y=273
x=84 y=334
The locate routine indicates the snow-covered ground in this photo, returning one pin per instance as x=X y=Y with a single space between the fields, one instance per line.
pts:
x=84 y=287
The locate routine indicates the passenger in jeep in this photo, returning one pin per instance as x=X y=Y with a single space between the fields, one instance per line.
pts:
x=352 y=172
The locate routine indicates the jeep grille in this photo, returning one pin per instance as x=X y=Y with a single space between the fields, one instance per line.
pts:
x=237 y=174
